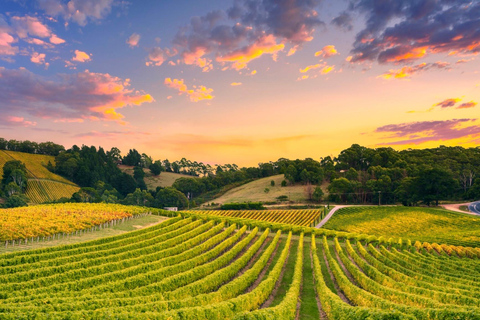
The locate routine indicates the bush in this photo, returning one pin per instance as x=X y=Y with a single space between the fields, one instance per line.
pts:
x=284 y=183
x=282 y=198
x=243 y=206
x=272 y=183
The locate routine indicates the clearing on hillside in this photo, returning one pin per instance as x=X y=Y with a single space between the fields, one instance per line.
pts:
x=255 y=191
x=165 y=179
x=423 y=224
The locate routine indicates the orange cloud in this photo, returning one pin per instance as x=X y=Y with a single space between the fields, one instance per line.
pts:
x=327 y=69
x=292 y=51
x=20 y=121
x=81 y=56
x=240 y=58
x=312 y=67
x=447 y=103
x=407 y=71
x=327 y=52
x=196 y=94
x=236 y=84
x=253 y=72
x=414 y=53
x=467 y=105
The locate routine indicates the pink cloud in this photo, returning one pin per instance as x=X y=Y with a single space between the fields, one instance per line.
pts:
x=133 y=40
x=6 y=47
x=85 y=95
x=157 y=56
x=196 y=94
x=56 y=40
x=467 y=105
x=17 y=121
x=408 y=71
x=425 y=131
x=447 y=103
x=38 y=58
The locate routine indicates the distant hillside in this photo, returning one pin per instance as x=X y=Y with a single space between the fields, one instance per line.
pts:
x=255 y=191
x=43 y=185
x=165 y=179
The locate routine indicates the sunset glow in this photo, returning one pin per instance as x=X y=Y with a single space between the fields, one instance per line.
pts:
x=238 y=81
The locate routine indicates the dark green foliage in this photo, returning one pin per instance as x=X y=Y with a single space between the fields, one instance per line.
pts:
x=86 y=194
x=284 y=183
x=133 y=158
x=16 y=200
x=318 y=194
x=243 y=206
x=9 y=167
x=170 y=197
x=272 y=183
x=156 y=168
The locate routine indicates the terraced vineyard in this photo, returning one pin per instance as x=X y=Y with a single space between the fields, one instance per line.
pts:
x=40 y=191
x=422 y=224
x=303 y=217
x=187 y=268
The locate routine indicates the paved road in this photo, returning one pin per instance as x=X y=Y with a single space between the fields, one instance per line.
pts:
x=474 y=207
x=329 y=215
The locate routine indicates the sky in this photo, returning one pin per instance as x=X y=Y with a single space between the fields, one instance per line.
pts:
x=242 y=81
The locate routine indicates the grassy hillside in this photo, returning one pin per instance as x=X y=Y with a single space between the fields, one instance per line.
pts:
x=43 y=185
x=35 y=163
x=423 y=224
x=165 y=179
x=255 y=191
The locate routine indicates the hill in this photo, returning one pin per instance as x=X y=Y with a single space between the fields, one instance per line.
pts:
x=423 y=224
x=43 y=185
x=255 y=191
x=202 y=267
x=165 y=179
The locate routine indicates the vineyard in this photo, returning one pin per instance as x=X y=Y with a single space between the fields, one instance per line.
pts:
x=422 y=224
x=303 y=217
x=187 y=268
x=27 y=223
x=40 y=191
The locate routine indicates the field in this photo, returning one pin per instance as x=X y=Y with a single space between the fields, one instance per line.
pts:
x=165 y=179
x=422 y=224
x=301 y=217
x=187 y=268
x=48 y=220
x=255 y=191
x=40 y=191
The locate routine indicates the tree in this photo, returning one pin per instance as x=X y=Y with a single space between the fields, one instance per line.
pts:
x=435 y=184
x=272 y=183
x=12 y=188
x=11 y=166
x=156 y=168
x=133 y=158
x=339 y=188
x=87 y=195
x=189 y=186
x=115 y=155
x=170 y=197
x=317 y=195
x=16 y=201
x=19 y=177
x=291 y=174
x=139 y=198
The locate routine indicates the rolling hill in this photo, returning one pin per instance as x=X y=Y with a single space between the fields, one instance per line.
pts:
x=43 y=185
x=255 y=191
x=165 y=179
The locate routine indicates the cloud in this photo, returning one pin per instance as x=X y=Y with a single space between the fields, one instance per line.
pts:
x=447 y=103
x=133 y=40
x=111 y=134
x=16 y=122
x=234 y=84
x=31 y=26
x=425 y=131
x=157 y=56
x=79 y=11
x=343 y=21
x=38 y=58
x=196 y=94
x=407 y=71
x=327 y=52
x=70 y=97
x=241 y=57
x=81 y=56
x=467 y=105
x=405 y=30
x=244 y=32
x=324 y=68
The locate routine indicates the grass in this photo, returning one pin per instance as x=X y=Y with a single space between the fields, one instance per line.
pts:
x=165 y=179
x=130 y=225
x=254 y=191
x=422 y=224
x=288 y=274
x=308 y=306
x=464 y=208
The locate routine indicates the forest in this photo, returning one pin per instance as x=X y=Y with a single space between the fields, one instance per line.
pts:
x=358 y=175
